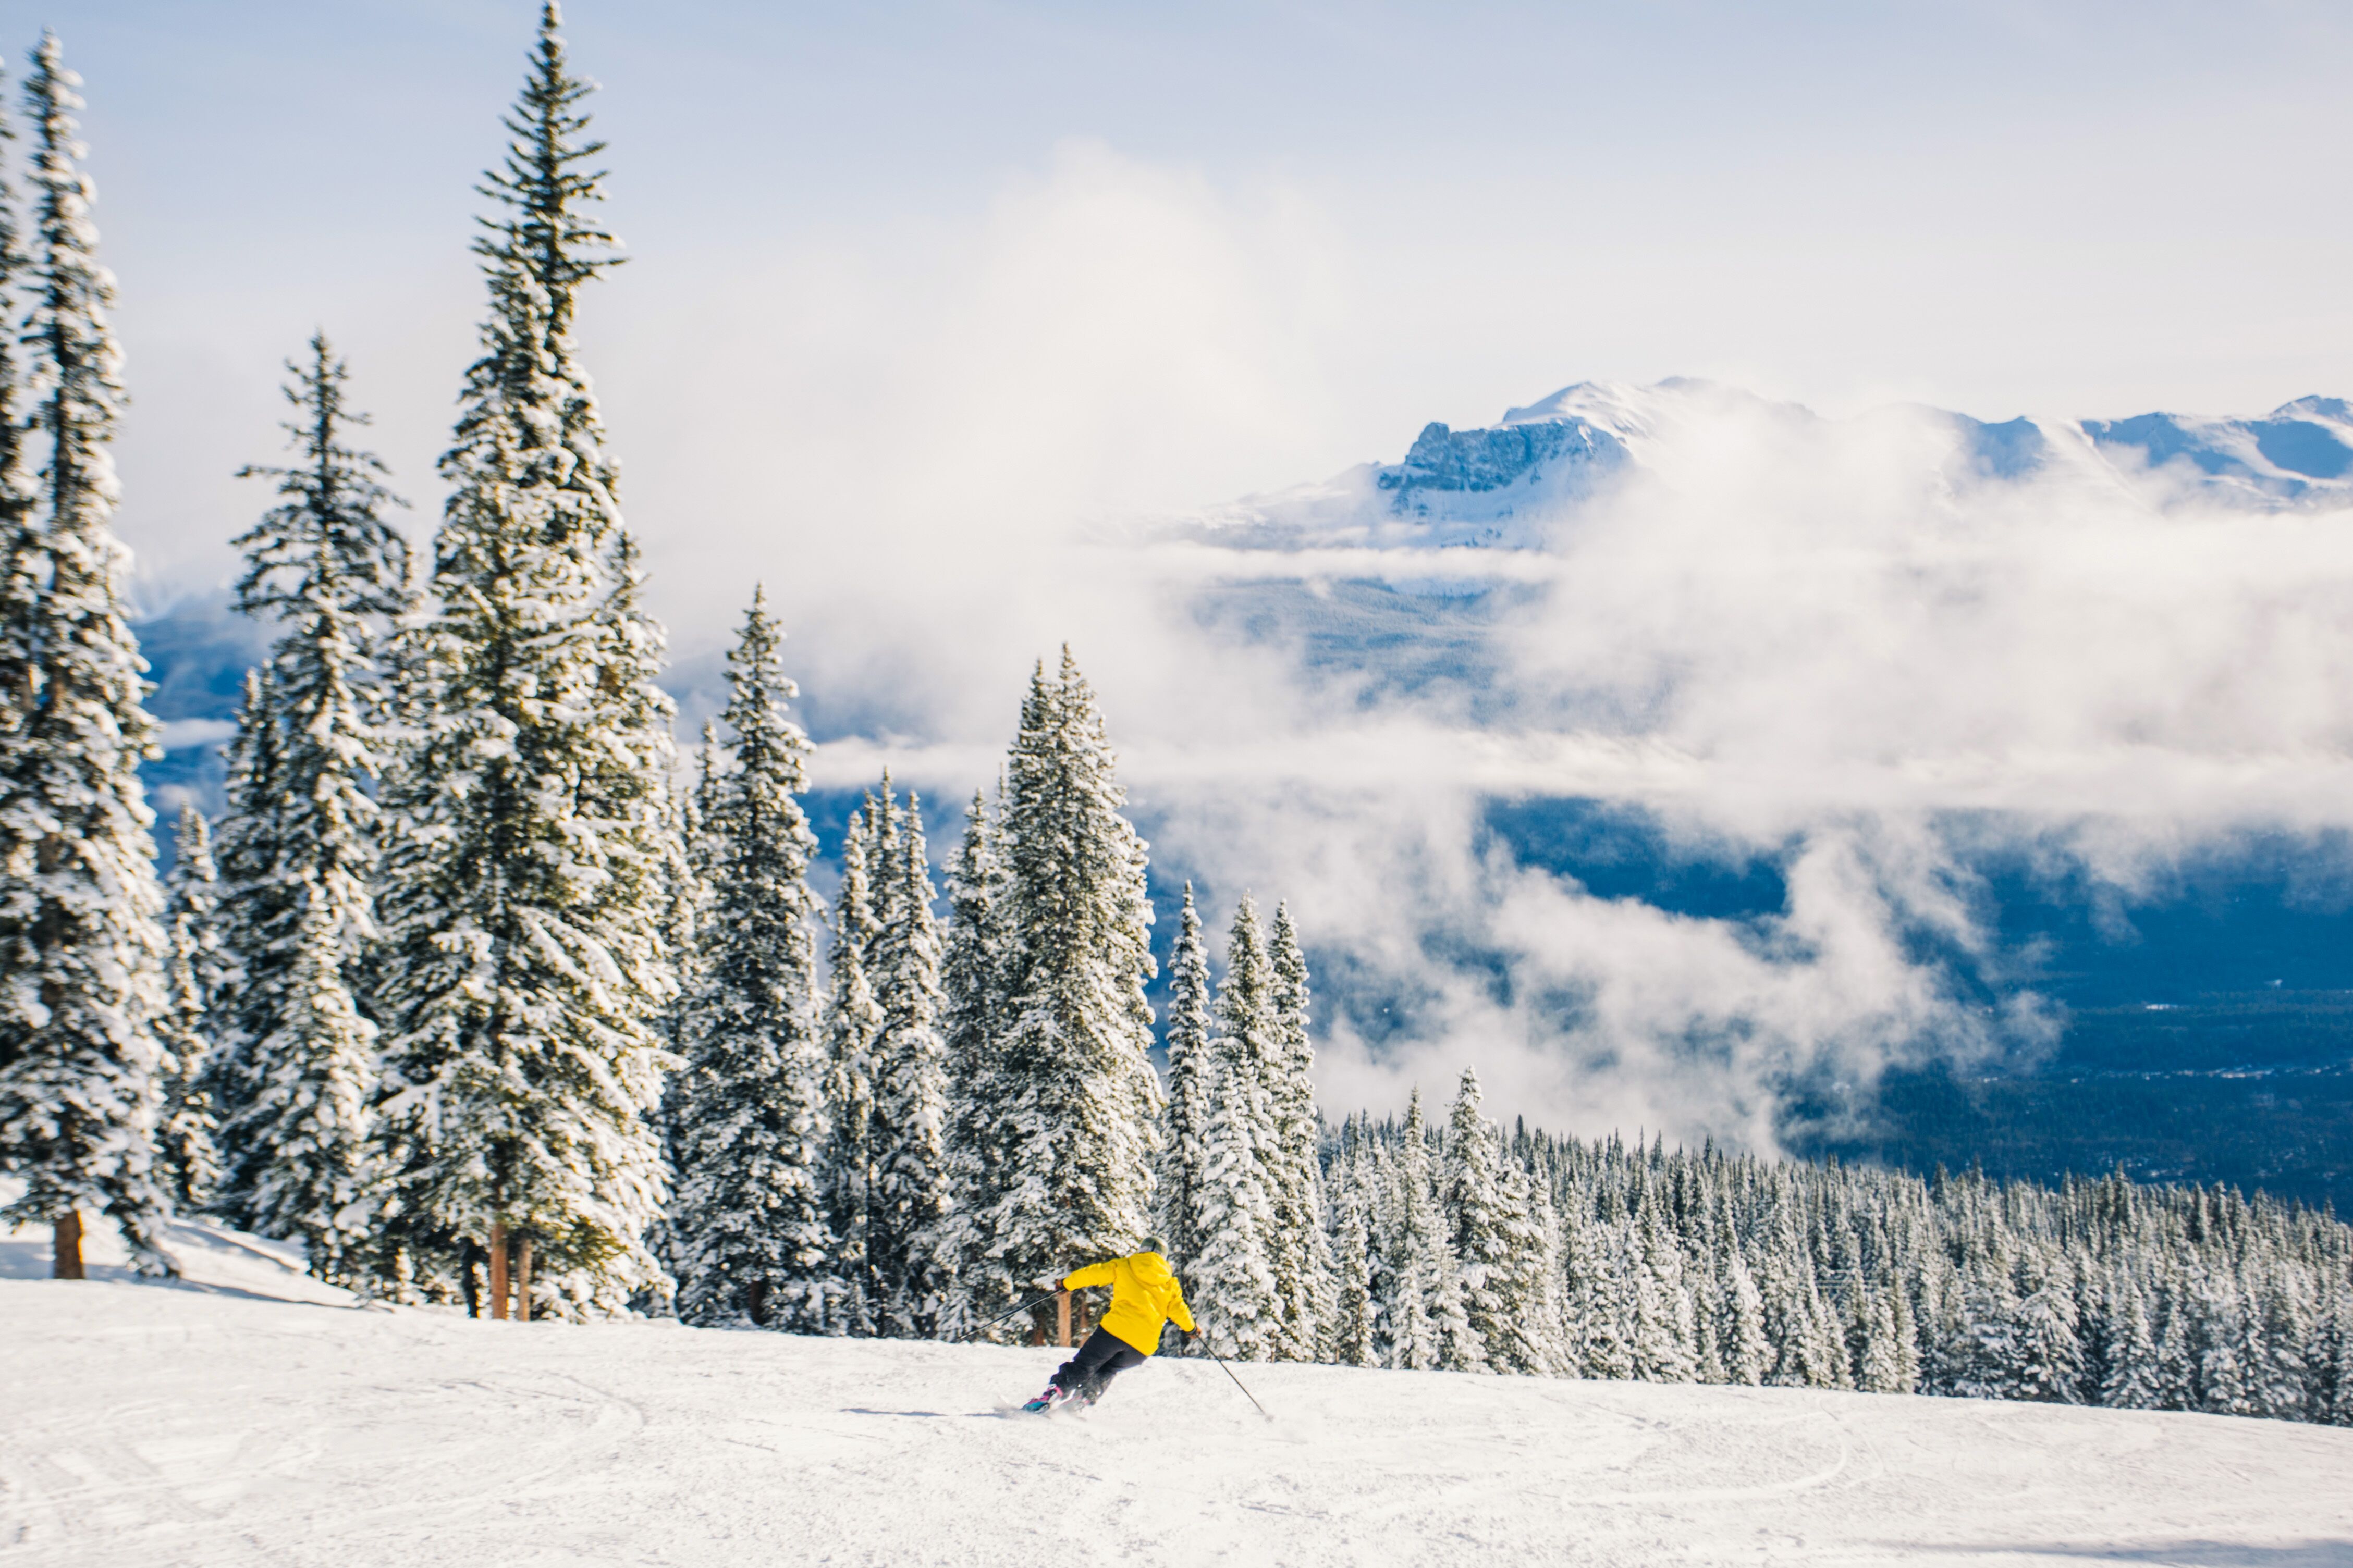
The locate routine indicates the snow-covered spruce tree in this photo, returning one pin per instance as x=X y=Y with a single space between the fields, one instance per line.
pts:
x=524 y=891
x=2051 y=1355
x=853 y=1023
x=299 y=839
x=250 y=764
x=1079 y=1104
x=1192 y=1060
x=911 y=1178
x=1601 y=1314
x=747 y=1114
x=1356 y=1334
x=1663 y=1331
x=1479 y=1230
x=975 y=962
x=80 y=939
x=196 y=977
x=689 y=901
x=1303 y=1254
x=1529 y=1337
x=1240 y=1302
x=1416 y=1240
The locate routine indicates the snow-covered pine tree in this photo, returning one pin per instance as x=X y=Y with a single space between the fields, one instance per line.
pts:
x=2131 y=1382
x=80 y=936
x=1600 y=1318
x=748 y=1120
x=1192 y=1060
x=250 y=764
x=690 y=901
x=24 y=565
x=1302 y=1254
x=911 y=1192
x=2340 y=1389
x=974 y=964
x=1080 y=1105
x=299 y=839
x=1481 y=1235
x=2224 y=1388
x=2176 y=1378
x=1355 y=1336
x=1530 y=1340
x=524 y=891
x=197 y=976
x=853 y=1022
x=1659 y=1350
x=2050 y=1354
x=1417 y=1238
x=1237 y=1295
x=1460 y=1347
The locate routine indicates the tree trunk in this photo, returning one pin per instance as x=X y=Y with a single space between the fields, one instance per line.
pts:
x=523 y=1278
x=498 y=1271
x=65 y=1248
x=1063 y=1315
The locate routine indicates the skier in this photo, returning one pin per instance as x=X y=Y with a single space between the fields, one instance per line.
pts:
x=1145 y=1296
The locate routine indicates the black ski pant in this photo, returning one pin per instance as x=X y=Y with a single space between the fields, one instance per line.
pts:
x=1104 y=1357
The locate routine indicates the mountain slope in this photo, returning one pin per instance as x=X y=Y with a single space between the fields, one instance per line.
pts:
x=156 y=1426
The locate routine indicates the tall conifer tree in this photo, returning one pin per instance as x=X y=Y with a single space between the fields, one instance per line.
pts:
x=853 y=1023
x=976 y=961
x=525 y=887
x=1303 y=1257
x=1483 y=1234
x=300 y=837
x=197 y=979
x=1235 y=1275
x=1069 y=1175
x=910 y=1194
x=81 y=937
x=1192 y=1064
x=749 y=1229
x=1416 y=1240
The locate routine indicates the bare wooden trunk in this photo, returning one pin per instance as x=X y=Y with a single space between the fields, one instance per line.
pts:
x=499 y=1270
x=522 y=1279
x=65 y=1248
x=1063 y=1315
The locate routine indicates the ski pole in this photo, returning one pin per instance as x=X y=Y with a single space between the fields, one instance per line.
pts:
x=1237 y=1382
x=1009 y=1311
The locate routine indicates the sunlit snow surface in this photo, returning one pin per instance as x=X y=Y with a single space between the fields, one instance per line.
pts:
x=148 y=1424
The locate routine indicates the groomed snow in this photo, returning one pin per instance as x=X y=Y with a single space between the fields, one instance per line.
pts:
x=152 y=1424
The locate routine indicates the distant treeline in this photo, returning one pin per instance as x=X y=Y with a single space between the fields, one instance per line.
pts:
x=1717 y=1267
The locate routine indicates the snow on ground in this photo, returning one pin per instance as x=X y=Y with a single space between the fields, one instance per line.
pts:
x=213 y=1259
x=152 y=1424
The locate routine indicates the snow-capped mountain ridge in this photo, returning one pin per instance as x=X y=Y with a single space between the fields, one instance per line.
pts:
x=1489 y=486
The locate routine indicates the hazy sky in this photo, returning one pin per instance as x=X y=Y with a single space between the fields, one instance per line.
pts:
x=920 y=295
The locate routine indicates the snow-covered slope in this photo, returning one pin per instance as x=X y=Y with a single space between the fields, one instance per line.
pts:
x=212 y=1258
x=152 y=1425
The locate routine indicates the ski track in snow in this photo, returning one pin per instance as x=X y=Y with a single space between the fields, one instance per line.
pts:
x=145 y=1425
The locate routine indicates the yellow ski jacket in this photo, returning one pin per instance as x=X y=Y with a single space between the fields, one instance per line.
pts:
x=1144 y=1295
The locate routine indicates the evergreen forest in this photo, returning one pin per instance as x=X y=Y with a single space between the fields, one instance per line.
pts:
x=489 y=995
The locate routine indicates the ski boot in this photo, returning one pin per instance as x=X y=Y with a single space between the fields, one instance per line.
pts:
x=1053 y=1396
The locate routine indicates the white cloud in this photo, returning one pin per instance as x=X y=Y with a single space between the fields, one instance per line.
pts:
x=1791 y=636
